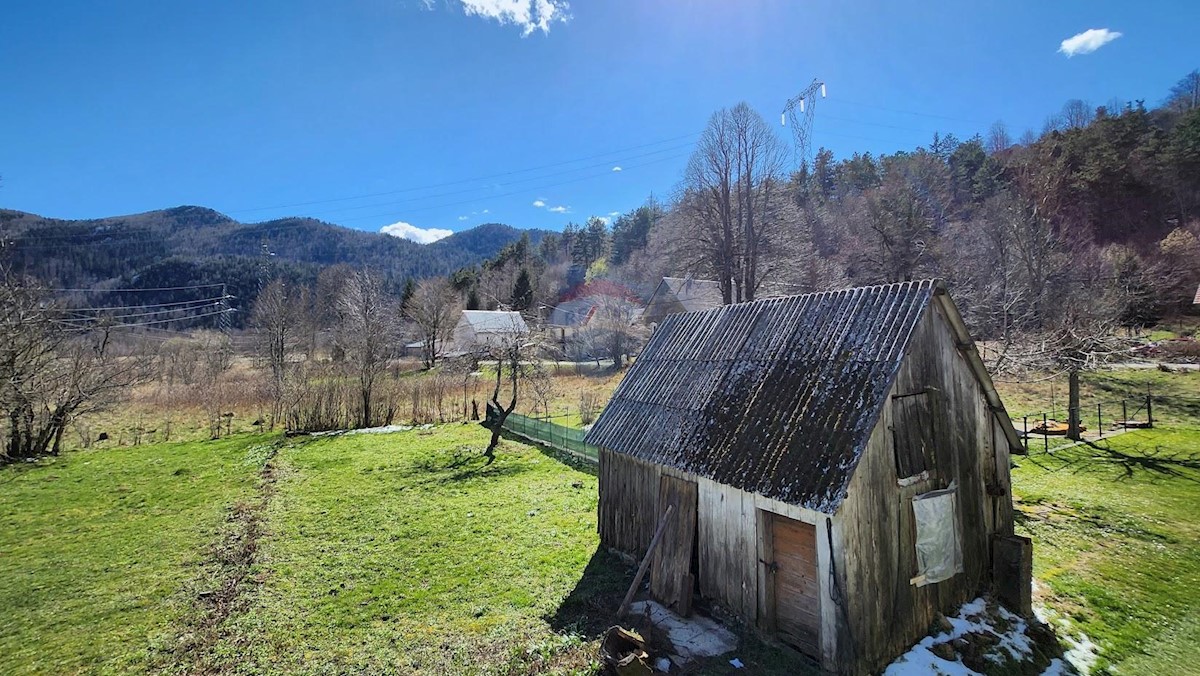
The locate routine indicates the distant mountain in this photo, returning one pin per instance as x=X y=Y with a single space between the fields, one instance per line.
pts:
x=190 y=245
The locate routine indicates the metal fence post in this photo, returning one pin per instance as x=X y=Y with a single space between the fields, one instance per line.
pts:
x=1025 y=423
x=1045 y=433
x=1099 y=422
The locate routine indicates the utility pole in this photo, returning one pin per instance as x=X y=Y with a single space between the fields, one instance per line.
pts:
x=798 y=112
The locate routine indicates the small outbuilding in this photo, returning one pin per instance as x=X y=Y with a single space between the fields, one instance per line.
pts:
x=837 y=464
x=487 y=328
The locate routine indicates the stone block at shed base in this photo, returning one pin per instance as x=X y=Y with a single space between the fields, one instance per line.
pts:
x=1012 y=573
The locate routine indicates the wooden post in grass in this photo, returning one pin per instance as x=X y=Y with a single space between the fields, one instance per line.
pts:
x=1046 y=432
x=1099 y=421
x=1149 y=408
x=641 y=571
x=1025 y=422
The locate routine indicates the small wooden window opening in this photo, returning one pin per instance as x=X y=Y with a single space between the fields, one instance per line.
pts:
x=912 y=435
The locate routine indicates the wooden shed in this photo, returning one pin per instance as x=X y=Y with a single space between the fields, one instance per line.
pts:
x=838 y=463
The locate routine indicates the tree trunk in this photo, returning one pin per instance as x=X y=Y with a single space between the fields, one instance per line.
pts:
x=1073 y=405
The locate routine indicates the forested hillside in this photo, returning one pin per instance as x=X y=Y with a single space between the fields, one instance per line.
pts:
x=189 y=245
x=1094 y=222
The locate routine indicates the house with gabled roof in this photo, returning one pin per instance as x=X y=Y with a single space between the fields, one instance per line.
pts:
x=836 y=467
x=681 y=294
x=487 y=328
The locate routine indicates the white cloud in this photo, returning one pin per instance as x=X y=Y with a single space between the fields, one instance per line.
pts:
x=539 y=203
x=604 y=219
x=560 y=209
x=614 y=213
x=462 y=218
x=409 y=231
x=530 y=15
x=616 y=168
x=1088 y=41
x=486 y=211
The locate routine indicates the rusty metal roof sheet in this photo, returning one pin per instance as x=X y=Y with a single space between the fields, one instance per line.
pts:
x=776 y=397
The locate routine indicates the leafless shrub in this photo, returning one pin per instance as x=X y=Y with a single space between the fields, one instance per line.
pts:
x=588 y=406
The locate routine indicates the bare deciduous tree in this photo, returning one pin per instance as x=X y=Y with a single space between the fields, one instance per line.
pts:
x=52 y=372
x=434 y=308
x=730 y=203
x=612 y=331
x=367 y=333
x=512 y=352
x=998 y=139
x=281 y=325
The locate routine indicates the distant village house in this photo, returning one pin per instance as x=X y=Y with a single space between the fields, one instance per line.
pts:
x=680 y=294
x=487 y=328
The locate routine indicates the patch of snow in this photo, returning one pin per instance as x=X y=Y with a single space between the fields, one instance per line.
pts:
x=1056 y=668
x=972 y=617
x=1082 y=652
x=386 y=429
x=692 y=637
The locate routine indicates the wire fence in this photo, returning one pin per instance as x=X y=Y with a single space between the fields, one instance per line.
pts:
x=1097 y=419
x=566 y=439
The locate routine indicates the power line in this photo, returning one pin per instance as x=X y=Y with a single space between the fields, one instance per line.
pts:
x=905 y=112
x=263 y=228
x=468 y=180
x=254 y=229
x=212 y=303
x=471 y=190
x=77 y=327
x=143 y=290
x=878 y=124
x=110 y=308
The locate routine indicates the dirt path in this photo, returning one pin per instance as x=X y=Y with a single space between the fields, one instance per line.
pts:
x=218 y=593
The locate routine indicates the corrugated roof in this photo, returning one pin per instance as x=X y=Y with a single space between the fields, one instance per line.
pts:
x=495 y=321
x=776 y=397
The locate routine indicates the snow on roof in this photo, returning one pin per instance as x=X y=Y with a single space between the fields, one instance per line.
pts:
x=495 y=321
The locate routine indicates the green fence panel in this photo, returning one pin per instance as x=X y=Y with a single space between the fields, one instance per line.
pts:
x=563 y=438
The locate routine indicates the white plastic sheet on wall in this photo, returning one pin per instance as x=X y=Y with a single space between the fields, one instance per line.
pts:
x=939 y=553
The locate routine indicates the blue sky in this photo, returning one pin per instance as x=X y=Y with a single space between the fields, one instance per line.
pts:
x=443 y=114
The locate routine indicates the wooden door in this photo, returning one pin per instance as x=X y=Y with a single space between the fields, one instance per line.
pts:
x=671 y=578
x=796 y=597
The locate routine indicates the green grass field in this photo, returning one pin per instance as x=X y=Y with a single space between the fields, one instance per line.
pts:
x=390 y=553
x=96 y=545
x=404 y=553
x=1115 y=529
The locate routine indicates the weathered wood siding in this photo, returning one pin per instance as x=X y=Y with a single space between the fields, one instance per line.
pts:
x=731 y=525
x=875 y=530
x=628 y=511
x=671 y=581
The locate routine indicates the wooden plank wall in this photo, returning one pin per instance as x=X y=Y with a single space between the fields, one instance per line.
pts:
x=671 y=580
x=628 y=511
x=875 y=529
x=728 y=550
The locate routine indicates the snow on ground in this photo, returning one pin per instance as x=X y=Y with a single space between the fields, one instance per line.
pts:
x=1081 y=651
x=996 y=625
x=386 y=429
